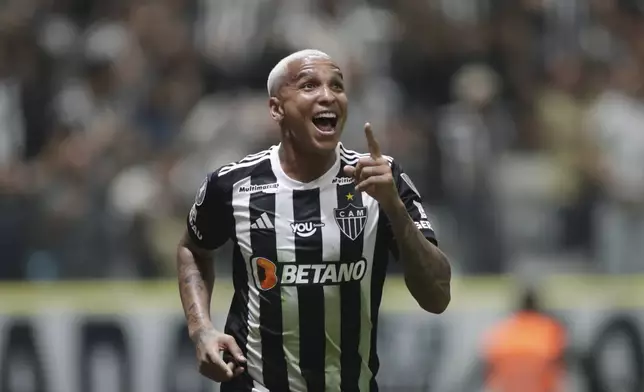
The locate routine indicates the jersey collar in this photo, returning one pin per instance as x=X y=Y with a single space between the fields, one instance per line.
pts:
x=287 y=181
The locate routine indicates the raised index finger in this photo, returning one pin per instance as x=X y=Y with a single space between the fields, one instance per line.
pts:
x=372 y=143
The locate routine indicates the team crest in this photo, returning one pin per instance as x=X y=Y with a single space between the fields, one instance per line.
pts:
x=351 y=220
x=201 y=193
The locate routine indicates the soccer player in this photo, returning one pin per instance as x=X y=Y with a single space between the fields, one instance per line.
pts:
x=312 y=225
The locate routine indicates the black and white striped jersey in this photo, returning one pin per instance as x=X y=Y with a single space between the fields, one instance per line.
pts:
x=308 y=270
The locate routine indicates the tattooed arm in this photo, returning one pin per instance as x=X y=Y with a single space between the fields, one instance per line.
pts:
x=196 y=281
x=427 y=271
x=426 y=268
x=206 y=229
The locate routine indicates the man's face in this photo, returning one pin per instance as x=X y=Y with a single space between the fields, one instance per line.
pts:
x=313 y=103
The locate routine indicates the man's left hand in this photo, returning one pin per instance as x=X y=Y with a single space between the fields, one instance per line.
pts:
x=373 y=174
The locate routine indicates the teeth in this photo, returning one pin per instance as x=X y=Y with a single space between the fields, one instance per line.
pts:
x=326 y=115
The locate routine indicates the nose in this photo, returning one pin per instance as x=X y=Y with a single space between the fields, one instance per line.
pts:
x=327 y=96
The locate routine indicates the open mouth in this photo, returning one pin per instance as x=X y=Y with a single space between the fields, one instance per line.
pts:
x=325 y=122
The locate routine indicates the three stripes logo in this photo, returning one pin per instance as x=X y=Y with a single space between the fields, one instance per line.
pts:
x=263 y=222
x=351 y=220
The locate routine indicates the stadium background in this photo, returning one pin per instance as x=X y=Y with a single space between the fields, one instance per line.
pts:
x=521 y=121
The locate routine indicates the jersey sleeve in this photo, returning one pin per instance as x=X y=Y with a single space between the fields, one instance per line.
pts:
x=210 y=217
x=410 y=196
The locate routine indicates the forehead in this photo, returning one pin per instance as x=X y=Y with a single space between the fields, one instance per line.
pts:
x=312 y=66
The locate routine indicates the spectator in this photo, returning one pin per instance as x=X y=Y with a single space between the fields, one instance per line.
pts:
x=616 y=124
x=473 y=132
x=560 y=110
x=98 y=96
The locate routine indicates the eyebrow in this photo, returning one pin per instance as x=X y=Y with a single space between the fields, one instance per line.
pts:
x=307 y=72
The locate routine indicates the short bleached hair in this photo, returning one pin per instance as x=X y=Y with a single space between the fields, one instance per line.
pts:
x=280 y=70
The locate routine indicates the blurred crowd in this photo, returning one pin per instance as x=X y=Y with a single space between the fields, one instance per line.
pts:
x=522 y=121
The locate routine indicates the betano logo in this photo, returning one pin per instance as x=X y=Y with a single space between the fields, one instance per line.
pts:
x=267 y=274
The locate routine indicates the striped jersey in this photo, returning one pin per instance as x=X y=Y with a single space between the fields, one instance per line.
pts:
x=309 y=264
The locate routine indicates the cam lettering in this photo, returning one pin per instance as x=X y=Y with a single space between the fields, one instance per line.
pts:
x=323 y=274
x=351 y=213
x=423 y=225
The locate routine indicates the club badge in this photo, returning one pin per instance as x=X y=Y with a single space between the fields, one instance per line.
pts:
x=351 y=220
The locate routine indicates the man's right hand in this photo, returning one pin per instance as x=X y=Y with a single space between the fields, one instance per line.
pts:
x=210 y=343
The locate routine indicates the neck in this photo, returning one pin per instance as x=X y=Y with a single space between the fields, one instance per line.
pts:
x=304 y=166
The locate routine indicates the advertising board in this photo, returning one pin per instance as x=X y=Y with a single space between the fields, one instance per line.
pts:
x=126 y=337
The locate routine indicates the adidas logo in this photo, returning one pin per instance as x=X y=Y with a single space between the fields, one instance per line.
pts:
x=263 y=222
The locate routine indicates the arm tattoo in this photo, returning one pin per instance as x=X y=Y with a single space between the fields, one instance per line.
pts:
x=196 y=281
x=427 y=270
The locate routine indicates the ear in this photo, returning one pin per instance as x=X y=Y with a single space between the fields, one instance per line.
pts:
x=276 y=109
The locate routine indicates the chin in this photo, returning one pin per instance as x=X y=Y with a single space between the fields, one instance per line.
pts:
x=325 y=146
x=325 y=141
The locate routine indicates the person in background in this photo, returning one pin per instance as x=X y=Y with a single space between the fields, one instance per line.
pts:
x=615 y=125
x=560 y=108
x=472 y=133
x=525 y=352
